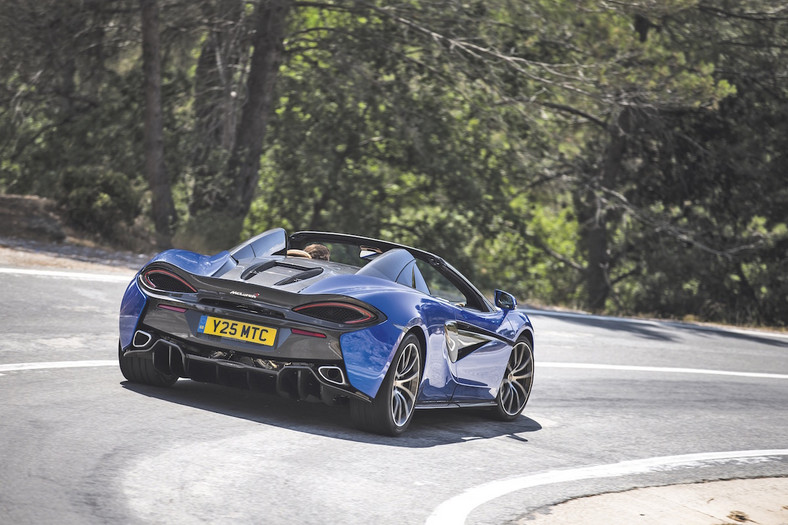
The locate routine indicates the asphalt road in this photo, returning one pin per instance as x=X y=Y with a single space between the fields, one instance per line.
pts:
x=616 y=404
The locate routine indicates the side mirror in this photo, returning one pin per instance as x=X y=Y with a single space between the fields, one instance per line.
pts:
x=504 y=300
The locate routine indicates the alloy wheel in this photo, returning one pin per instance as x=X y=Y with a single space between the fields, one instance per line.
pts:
x=406 y=384
x=517 y=381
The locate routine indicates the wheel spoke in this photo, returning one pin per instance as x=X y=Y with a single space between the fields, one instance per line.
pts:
x=512 y=399
x=405 y=385
x=399 y=381
x=408 y=361
x=519 y=389
x=516 y=399
x=523 y=359
x=403 y=368
x=407 y=393
x=506 y=394
x=396 y=407
x=515 y=358
x=401 y=410
x=516 y=384
x=523 y=366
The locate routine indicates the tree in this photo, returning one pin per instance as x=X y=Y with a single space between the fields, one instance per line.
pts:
x=710 y=236
x=615 y=156
x=220 y=220
x=163 y=206
x=375 y=135
x=219 y=80
x=67 y=116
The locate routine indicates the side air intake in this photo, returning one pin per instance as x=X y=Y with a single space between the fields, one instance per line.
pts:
x=165 y=281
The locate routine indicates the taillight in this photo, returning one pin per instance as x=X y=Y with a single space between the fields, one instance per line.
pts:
x=343 y=313
x=308 y=333
x=166 y=281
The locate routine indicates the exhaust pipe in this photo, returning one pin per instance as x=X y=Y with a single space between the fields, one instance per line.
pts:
x=333 y=374
x=168 y=358
x=141 y=339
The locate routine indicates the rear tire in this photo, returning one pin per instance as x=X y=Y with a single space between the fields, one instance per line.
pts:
x=141 y=370
x=517 y=382
x=391 y=412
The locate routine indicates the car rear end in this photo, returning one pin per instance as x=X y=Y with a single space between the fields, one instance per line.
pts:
x=245 y=329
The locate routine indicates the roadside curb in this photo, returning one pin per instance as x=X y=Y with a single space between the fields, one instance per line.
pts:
x=760 y=500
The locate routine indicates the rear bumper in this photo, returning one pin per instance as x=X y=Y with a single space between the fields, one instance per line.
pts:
x=307 y=381
x=302 y=343
x=180 y=321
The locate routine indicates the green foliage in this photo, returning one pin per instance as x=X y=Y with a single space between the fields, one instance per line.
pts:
x=98 y=200
x=625 y=157
x=354 y=148
x=207 y=230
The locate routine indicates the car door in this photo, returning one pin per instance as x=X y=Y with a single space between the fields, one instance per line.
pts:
x=480 y=365
x=477 y=347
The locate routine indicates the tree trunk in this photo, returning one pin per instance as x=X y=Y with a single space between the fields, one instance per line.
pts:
x=593 y=243
x=593 y=217
x=244 y=165
x=219 y=208
x=163 y=207
x=216 y=85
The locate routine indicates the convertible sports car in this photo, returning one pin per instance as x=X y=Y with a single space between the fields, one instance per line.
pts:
x=328 y=317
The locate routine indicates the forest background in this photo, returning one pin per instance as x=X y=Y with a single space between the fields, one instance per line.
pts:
x=626 y=156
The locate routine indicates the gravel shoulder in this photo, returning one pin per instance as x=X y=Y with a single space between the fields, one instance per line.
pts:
x=24 y=253
x=34 y=233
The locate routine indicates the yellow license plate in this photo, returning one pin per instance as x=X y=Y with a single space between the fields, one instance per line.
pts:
x=252 y=333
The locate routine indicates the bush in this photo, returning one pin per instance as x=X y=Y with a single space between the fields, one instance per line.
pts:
x=98 y=200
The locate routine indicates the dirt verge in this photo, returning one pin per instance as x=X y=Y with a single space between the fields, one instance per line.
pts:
x=34 y=234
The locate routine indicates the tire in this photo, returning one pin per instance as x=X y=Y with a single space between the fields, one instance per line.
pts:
x=141 y=370
x=391 y=412
x=517 y=382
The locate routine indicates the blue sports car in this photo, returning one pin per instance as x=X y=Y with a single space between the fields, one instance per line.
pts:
x=328 y=317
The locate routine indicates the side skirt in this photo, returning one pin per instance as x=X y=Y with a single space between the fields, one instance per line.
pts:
x=430 y=406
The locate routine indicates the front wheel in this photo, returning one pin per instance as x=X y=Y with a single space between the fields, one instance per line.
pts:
x=391 y=411
x=517 y=381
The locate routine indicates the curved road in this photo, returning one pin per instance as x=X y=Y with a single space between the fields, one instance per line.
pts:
x=616 y=404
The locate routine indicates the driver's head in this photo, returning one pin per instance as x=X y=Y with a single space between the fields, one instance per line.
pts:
x=318 y=251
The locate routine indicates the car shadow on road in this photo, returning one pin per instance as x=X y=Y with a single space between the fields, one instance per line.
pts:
x=429 y=428
x=751 y=336
x=640 y=329
x=668 y=330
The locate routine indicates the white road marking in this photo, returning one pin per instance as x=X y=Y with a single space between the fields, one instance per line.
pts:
x=660 y=369
x=78 y=276
x=589 y=366
x=457 y=509
x=13 y=367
